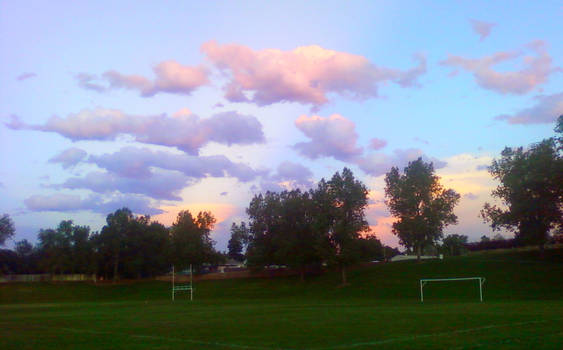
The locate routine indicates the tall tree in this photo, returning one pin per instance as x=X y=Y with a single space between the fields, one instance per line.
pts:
x=422 y=206
x=297 y=240
x=264 y=221
x=191 y=241
x=238 y=241
x=530 y=190
x=7 y=229
x=112 y=238
x=346 y=200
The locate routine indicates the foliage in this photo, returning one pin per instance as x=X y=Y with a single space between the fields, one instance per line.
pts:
x=370 y=249
x=348 y=200
x=238 y=241
x=422 y=206
x=454 y=244
x=530 y=190
x=7 y=229
x=191 y=242
x=281 y=230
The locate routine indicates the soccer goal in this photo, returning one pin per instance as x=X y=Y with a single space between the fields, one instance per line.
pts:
x=186 y=287
x=424 y=281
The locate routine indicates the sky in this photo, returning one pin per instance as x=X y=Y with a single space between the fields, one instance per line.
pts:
x=174 y=105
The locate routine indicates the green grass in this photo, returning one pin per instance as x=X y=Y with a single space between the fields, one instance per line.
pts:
x=523 y=309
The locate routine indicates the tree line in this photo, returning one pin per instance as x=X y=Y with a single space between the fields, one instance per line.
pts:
x=128 y=246
x=323 y=226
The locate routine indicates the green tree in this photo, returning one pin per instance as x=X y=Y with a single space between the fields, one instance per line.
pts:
x=7 y=229
x=297 y=240
x=422 y=206
x=371 y=248
x=264 y=225
x=112 y=239
x=530 y=190
x=238 y=241
x=454 y=244
x=346 y=201
x=191 y=241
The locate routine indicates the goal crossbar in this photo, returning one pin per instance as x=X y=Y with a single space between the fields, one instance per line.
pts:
x=423 y=282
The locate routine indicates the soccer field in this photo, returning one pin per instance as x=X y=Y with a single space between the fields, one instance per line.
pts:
x=523 y=309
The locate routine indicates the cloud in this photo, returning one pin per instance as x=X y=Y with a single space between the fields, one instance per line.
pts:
x=85 y=81
x=377 y=164
x=71 y=203
x=156 y=174
x=186 y=132
x=306 y=75
x=545 y=111
x=25 y=76
x=138 y=163
x=536 y=69
x=69 y=157
x=470 y=196
x=377 y=144
x=334 y=136
x=289 y=175
x=158 y=185
x=483 y=29
x=170 y=77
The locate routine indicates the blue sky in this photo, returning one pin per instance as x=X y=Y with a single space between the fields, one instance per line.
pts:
x=173 y=105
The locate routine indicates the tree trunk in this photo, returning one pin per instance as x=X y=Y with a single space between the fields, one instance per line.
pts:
x=115 y=266
x=418 y=253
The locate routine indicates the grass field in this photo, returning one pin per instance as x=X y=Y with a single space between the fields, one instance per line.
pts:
x=523 y=309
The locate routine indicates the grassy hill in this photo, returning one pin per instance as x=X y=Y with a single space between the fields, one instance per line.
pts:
x=380 y=308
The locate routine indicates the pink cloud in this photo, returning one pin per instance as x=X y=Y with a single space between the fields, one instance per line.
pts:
x=187 y=132
x=377 y=144
x=305 y=75
x=171 y=77
x=536 y=69
x=483 y=29
x=377 y=164
x=546 y=110
x=334 y=136
x=69 y=158
x=25 y=76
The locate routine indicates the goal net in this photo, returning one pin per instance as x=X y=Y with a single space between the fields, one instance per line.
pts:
x=424 y=281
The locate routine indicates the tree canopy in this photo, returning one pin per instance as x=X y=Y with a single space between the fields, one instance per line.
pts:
x=530 y=190
x=7 y=229
x=191 y=241
x=422 y=206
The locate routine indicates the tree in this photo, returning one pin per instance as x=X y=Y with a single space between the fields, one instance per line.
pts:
x=296 y=238
x=344 y=198
x=454 y=244
x=191 y=242
x=530 y=190
x=238 y=241
x=371 y=248
x=112 y=238
x=422 y=206
x=7 y=229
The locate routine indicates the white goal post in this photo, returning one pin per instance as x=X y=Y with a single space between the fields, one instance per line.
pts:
x=423 y=282
x=183 y=287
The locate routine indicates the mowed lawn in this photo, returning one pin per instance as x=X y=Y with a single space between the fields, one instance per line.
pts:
x=380 y=309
